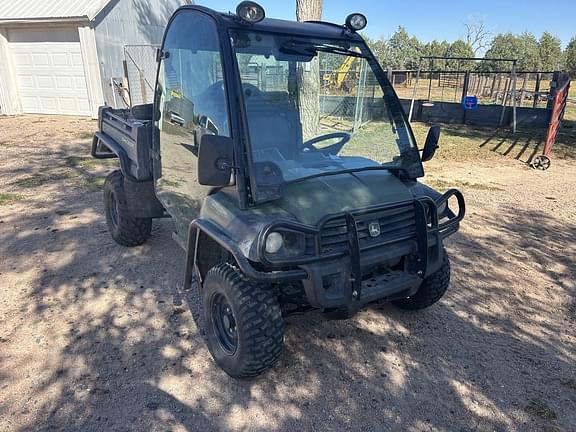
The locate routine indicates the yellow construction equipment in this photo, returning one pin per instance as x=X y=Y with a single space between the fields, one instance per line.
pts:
x=337 y=79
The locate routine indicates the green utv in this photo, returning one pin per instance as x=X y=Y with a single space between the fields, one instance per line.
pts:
x=291 y=187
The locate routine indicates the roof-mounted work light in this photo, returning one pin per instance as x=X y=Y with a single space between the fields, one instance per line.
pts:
x=356 y=21
x=250 y=12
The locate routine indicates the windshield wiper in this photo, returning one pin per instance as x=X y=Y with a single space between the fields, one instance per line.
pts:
x=306 y=47
x=345 y=171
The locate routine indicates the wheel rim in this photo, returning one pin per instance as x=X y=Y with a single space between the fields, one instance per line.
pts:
x=541 y=162
x=224 y=324
x=113 y=205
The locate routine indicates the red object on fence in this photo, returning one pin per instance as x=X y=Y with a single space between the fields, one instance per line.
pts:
x=543 y=161
x=558 y=107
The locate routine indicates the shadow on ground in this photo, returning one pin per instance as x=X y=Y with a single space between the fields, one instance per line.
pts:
x=122 y=357
x=523 y=145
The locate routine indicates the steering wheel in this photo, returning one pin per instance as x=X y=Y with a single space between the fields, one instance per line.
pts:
x=250 y=90
x=331 y=149
x=216 y=90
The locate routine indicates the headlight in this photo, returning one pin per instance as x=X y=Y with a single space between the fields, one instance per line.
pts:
x=274 y=242
x=250 y=12
x=284 y=243
x=356 y=21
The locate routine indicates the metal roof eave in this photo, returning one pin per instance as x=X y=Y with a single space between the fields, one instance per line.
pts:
x=63 y=20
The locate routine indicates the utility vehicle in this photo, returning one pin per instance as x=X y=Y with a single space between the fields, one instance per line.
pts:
x=286 y=195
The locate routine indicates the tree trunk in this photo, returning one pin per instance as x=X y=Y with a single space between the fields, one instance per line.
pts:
x=309 y=75
x=309 y=10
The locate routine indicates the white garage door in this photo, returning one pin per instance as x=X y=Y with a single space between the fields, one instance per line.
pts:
x=51 y=78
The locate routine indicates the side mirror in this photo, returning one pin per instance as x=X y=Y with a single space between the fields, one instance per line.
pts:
x=431 y=143
x=215 y=157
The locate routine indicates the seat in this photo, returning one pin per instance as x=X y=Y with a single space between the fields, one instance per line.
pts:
x=275 y=129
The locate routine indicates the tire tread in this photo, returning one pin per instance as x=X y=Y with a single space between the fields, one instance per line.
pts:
x=130 y=231
x=259 y=317
x=431 y=290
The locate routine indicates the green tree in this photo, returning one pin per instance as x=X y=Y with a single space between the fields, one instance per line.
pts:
x=461 y=49
x=550 y=52
x=523 y=48
x=503 y=46
x=403 y=50
x=436 y=48
x=379 y=47
x=570 y=58
x=529 y=57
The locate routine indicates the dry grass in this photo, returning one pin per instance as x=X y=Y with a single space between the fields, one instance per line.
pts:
x=472 y=143
x=442 y=184
x=80 y=171
x=88 y=162
x=37 y=180
x=570 y=383
x=540 y=409
x=441 y=91
x=9 y=198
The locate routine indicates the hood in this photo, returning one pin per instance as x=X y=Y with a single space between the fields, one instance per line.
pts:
x=310 y=200
x=307 y=202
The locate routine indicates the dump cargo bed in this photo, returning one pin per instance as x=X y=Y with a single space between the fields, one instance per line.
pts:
x=126 y=134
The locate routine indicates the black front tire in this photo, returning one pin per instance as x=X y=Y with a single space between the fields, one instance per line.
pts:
x=243 y=322
x=432 y=289
x=124 y=228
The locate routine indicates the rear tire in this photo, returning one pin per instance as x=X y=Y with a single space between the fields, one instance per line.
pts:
x=124 y=228
x=432 y=289
x=243 y=322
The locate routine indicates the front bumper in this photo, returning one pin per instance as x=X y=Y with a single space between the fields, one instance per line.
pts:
x=385 y=268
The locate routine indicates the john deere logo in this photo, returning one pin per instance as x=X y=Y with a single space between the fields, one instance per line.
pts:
x=374 y=229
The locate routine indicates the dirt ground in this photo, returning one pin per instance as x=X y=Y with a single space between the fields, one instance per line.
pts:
x=90 y=339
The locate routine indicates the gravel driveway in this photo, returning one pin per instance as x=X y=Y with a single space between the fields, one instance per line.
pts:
x=90 y=338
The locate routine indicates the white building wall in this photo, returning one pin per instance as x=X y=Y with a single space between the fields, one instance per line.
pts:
x=9 y=97
x=129 y=22
x=91 y=68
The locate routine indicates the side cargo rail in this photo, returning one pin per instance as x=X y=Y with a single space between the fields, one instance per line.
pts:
x=127 y=138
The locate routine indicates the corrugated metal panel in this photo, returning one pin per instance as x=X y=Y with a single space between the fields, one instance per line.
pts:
x=137 y=22
x=50 y=9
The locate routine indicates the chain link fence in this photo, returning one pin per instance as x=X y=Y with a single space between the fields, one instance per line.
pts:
x=532 y=88
x=140 y=69
x=348 y=96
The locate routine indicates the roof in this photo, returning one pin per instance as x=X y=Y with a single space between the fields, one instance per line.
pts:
x=50 y=10
x=320 y=29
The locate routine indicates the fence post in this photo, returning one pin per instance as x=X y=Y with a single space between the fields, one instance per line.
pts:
x=514 y=97
x=465 y=93
x=430 y=80
x=142 y=85
x=493 y=86
x=504 y=101
x=523 y=90
x=125 y=68
x=537 y=91
x=414 y=92
x=359 y=109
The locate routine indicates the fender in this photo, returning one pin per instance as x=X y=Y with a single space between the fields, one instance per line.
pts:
x=200 y=230
x=140 y=195
x=104 y=147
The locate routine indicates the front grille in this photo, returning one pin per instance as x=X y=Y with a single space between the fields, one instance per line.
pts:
x=396 y=224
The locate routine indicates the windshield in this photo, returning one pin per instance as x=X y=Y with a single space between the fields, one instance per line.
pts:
x=315 y=107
